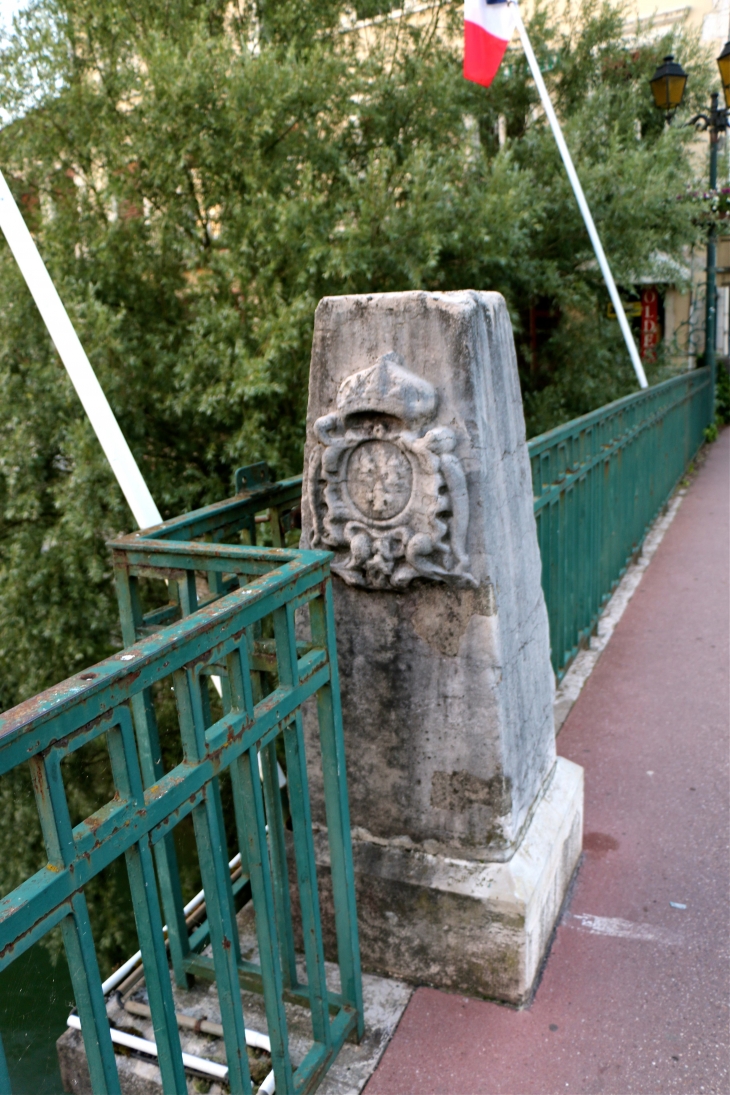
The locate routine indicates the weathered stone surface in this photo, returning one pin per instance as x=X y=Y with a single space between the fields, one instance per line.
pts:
x=385 y=489
x=476 y=928
x=417 y=476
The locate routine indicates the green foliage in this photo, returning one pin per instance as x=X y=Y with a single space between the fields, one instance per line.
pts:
x=722 y=394
x=199 y=174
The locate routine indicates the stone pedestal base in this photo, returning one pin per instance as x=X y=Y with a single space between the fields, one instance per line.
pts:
x=481 y=929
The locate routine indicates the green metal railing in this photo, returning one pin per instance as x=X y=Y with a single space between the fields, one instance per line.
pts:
x=599 y=482
x=231 y=616
x=245 y=637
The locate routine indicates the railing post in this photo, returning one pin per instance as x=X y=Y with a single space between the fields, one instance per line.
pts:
x=143 y=887
x=296 y=768
x=150 y=754
x=332 y=744
x=76 y=927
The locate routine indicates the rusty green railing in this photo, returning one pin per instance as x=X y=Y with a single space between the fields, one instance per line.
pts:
x=599 y=482
x=230 y=619
x=244 y=637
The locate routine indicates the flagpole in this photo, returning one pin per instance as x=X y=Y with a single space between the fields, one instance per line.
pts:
x=580 y=198
x=77 y=364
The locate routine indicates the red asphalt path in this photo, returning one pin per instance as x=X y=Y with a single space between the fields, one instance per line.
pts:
x=644 y=1011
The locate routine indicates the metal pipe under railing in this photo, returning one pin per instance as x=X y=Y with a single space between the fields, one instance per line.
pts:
x=254 y=1038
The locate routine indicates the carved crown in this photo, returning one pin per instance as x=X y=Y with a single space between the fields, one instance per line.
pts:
x=387 y=387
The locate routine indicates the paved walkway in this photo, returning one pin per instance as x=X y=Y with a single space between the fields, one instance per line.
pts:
x=634 y=996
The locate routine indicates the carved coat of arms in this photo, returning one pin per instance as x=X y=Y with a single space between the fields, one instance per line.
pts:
x=387 y=493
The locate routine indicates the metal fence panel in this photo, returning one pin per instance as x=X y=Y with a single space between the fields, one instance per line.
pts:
x=599 y=482
x=113 y=700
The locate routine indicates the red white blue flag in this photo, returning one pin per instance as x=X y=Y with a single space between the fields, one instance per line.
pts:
x=488 y=27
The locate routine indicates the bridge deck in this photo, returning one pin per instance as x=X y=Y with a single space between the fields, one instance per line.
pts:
x=634 y=993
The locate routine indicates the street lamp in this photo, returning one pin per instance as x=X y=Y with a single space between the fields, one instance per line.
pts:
x=723 y=63
x=667 y=85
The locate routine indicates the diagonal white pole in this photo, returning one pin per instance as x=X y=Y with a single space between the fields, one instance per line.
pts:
x=581 y=199
x=77 y=364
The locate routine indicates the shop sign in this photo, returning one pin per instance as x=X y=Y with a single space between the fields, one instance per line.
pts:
x=649 y=323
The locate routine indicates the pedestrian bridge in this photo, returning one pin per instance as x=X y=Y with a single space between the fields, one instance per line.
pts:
x=243 y=667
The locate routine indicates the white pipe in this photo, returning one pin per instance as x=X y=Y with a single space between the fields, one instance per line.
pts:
x=268 y=1087
x=118 y=976
x=201 y=1064
x=257 y=1040
x=143 y=1045
x=580 y=198
x=77 y=364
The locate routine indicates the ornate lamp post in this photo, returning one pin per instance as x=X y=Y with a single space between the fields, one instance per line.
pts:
x=667 y=85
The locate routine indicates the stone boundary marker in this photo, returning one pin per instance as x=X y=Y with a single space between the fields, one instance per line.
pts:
x=466 y=826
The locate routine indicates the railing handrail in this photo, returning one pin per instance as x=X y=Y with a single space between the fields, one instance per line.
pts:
x=33 y=713
x=248 y=501
x=544 y=440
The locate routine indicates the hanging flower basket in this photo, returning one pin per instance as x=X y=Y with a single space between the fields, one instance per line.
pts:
x=712 y=206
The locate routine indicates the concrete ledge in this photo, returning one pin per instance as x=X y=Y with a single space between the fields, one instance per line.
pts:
x=475 y=928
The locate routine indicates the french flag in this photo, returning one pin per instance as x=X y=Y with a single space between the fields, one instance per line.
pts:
x=488 y=27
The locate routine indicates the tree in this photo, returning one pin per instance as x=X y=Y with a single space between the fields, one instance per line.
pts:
x=198 y=176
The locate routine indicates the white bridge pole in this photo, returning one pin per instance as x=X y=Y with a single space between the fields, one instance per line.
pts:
x=77 y=364
x=580 y=198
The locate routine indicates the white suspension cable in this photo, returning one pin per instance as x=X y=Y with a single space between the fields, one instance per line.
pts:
x=77 y=364
x=580 y=198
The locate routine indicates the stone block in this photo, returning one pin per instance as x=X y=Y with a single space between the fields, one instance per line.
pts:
x=417 y=477
x=481 y=929
x=415 y=433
